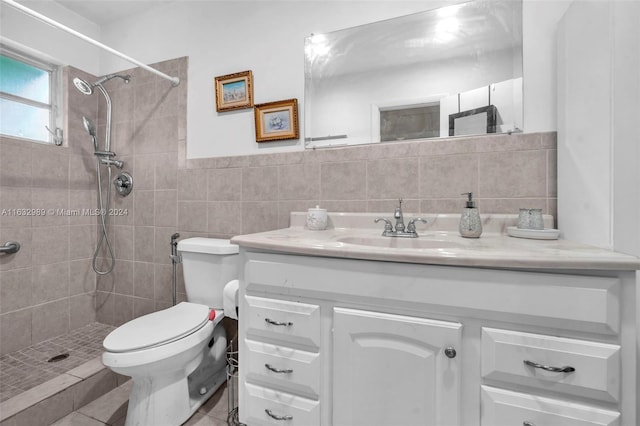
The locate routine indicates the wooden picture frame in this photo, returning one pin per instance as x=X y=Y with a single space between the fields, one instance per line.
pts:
x=277 y=120
x=234 y=91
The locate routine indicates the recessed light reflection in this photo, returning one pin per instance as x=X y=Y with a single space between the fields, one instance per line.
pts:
x=317 y=46
x=447 y=29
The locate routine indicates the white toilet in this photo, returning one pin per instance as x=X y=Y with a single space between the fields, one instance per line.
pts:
x=176 y=357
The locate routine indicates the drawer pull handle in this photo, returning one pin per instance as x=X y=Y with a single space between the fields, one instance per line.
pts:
x=283 y=324
x=527 y=423
x=277 y=370
x=566 y=369
x=276 y=417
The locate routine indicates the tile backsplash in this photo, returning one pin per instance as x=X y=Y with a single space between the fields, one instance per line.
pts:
x=49 y=288
x=239 y=195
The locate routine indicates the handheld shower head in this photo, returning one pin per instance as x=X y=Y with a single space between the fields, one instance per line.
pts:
x=89 y=126
x=91 y=129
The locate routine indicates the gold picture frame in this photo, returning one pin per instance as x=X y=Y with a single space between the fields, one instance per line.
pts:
x=277 y=121
x=234 y=91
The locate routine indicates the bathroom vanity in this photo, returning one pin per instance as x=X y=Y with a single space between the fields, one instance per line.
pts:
x=345 y=327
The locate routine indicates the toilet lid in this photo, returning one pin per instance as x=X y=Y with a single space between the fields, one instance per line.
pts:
x=157 y=328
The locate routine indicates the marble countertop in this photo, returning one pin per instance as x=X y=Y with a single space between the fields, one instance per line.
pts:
x=352 y=236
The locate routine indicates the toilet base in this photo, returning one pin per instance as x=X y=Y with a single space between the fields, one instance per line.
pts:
x=171 y=399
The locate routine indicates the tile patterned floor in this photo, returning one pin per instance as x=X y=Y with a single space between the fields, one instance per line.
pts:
x=27 y=368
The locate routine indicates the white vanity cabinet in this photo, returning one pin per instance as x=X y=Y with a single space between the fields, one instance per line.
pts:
x=358 y=342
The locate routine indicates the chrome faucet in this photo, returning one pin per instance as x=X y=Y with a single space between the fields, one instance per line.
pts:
x=400 y=230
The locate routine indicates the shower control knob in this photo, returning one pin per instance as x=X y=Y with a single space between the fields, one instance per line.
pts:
x=123 y=183
x=450 y=352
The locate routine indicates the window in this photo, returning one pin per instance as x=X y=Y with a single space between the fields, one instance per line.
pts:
x=27 y=97
x=410 y=122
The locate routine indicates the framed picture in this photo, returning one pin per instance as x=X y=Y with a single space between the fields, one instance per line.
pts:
x=234 y=91
x=276 y=120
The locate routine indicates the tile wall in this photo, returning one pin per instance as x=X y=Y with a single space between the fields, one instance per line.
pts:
x=221 y=197
x=48 y=287
x=149 y=125
x=239 y=195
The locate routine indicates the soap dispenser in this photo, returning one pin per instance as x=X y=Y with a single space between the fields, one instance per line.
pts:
x=470 y=224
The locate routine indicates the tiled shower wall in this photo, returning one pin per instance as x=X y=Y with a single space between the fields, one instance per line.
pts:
x=47 y=288
x=221 y=197
x=149 y=124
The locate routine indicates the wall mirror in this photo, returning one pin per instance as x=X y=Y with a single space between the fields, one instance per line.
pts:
x=403 y=78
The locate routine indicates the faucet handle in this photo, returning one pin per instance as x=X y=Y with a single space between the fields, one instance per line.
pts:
x=411 y=226
x=388 y=226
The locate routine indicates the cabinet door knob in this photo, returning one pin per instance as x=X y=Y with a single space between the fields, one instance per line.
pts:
x=283 y=324
x=278 y=370
x=565 y=369
x=450 y=352
x=277 y=417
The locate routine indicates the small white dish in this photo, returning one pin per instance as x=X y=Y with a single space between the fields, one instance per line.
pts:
x=535 y=234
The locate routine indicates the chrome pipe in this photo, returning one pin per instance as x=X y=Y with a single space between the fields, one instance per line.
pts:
x=107 y=139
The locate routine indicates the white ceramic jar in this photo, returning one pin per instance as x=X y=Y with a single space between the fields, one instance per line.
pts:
x=317 y=219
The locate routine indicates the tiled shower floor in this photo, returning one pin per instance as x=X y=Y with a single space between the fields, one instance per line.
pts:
x=29 y=367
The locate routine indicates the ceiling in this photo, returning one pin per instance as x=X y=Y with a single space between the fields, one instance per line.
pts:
x=103 y=12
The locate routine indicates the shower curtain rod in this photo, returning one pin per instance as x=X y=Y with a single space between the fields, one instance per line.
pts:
x=174 y=80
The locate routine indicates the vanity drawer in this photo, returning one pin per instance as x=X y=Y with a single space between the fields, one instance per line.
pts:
x=596 y=365
x=283 y=320
x=501 y=407
x=268 y=407
x=293 y=369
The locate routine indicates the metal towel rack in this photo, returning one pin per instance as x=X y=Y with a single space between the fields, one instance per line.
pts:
x=10 y=247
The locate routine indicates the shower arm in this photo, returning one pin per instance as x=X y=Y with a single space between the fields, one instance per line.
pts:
x=175 y=81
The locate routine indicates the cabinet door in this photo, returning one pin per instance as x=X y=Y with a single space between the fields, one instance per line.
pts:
x=393 y=370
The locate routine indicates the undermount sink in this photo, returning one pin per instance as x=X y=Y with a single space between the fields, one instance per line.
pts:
x=397 y=242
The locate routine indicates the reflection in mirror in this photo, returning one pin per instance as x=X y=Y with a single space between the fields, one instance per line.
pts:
x=473 y=122
x=403 y=78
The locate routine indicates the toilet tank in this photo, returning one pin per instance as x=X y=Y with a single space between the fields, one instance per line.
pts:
x=208 y=264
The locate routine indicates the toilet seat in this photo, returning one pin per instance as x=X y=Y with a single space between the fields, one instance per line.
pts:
x=158 y=328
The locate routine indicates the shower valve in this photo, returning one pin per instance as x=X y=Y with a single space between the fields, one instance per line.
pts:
x=123 y=183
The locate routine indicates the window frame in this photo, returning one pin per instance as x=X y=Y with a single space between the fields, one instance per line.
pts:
x=55 y=92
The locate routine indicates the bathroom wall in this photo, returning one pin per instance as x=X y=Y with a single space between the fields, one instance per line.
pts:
x=226 y=196
x=47 y=288
x=237 y=195
x=149 y=122
x=268 y=38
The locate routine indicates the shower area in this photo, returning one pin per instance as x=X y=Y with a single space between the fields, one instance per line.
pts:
x=101 y=255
